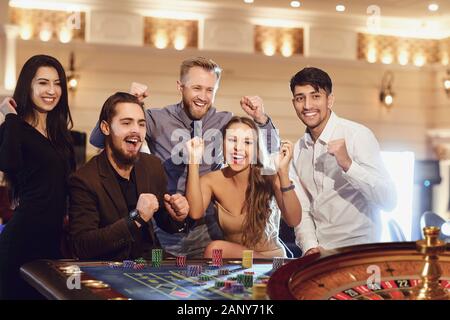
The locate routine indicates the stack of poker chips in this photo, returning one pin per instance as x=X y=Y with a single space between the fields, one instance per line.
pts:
x=223 y=272
x=217 y=257
x=245 y=279
x=128 y=264
x=181 y=261
x=277 y=263
x=247 y=259
x=156 y=257
x=237 y=288
x=259 y=291
x=219 y=284
x=140 y=260
x=115 y=265
x=204 y=277
x=139 y=264
x=228 y=283
x=193 y=270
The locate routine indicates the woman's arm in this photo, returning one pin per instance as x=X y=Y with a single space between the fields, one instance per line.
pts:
x=198 y=190
x=8 y=105
x=285 y=195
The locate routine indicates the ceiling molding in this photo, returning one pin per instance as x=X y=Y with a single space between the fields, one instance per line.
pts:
x=436 y=27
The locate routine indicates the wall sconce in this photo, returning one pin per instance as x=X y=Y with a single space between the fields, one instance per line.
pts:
x=72 y=77
x=447 y=83
x=386 y=93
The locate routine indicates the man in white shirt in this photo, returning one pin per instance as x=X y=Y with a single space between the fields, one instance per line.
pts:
x=337 y=168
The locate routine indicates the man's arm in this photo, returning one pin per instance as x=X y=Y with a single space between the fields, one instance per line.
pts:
x=169 y=218
x=368 y=174
x=254 y=107
x=173 y=209
x=88 y=239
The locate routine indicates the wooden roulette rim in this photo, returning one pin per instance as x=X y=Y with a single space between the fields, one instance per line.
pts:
x=288 y=282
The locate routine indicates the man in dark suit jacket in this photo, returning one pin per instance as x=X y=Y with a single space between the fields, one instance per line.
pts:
x=117 y=193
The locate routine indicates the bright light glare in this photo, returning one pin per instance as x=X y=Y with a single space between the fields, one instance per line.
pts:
x=400 y=166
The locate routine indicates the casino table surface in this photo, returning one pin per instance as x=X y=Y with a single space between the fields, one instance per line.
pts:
x=383 y=271
x=103 y=280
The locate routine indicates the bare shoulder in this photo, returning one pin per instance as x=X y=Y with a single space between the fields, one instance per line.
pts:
x=212 y=177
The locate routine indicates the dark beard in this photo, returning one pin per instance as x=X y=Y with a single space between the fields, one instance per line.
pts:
x=121 y=158
x=186 y=107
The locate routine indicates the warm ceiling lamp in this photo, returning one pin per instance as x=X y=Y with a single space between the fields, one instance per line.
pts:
x=295 y=4
x=447 y=83
x=46 y=33
x=340 y=8
x=26 y=32
x=433 y=7
x=65 y=35
x=386 y=93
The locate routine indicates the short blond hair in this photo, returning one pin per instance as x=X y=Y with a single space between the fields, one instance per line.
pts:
x=204 y=63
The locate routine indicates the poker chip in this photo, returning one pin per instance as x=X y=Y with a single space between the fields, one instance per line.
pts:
x=247 y=259
x=139 y=266
x=228 y=283
x=181 y=261
x=128 y=264
x=115 y=265
x=156 y=257
x=223 y=272
x=259 y=291
x=219 y=284
x=193 y=270
x=217 y=258
x=237 y=288
x=277 y=263
x=204 y=277
x=247 y=280
x=140 y=260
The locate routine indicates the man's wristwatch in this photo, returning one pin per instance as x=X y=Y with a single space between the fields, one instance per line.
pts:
x=135 y=216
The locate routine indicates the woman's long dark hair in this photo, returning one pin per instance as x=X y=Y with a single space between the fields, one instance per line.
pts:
x=258 y=195
x=59 y=121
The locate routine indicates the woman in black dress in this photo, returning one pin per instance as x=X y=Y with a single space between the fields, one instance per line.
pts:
x=36 y=156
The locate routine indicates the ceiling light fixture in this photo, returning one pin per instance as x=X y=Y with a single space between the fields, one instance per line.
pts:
x=433 y=7
x=340 y=8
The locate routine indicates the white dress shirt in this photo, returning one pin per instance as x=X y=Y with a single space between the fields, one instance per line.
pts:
x=340 y=208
